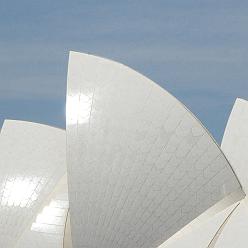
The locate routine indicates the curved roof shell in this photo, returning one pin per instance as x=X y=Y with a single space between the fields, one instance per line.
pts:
x=48 y=227
x=140 y=165
x=231 y=230
x=204 y=234
x=32 y=163
x=235 y=141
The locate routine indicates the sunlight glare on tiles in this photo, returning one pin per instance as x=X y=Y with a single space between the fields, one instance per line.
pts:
x=19 y=191
x=78 y=108
x=52 y=218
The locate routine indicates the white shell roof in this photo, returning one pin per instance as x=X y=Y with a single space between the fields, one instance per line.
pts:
x=140 y=165
x=235 y=141
x=235 y=146
x=233 y=230
x=48 y=227
x=204 y=234
x=32 y=161
x=234 y=233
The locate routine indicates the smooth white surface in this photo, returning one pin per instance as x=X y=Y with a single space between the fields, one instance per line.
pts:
x=207 y=222
x=140 y=165
x=235 y=146
x=200 y=237
x=235 y=232
x=47 y=229
x=32 y=161
x=235 y=141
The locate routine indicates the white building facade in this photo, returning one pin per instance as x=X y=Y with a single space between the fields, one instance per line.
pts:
x=134 y=168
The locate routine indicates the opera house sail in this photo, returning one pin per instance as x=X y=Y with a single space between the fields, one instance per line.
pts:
x=134 y=169
x=140 y=165
x=32 y=164
x=226 y=228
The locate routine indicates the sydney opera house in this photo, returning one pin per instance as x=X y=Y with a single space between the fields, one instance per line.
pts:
x=133 y=169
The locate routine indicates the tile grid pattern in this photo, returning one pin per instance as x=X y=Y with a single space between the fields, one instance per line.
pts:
x=48 y=228
x=140 y=165
x=32 y=161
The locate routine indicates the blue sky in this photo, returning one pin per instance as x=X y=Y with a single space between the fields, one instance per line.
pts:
x=195 y=49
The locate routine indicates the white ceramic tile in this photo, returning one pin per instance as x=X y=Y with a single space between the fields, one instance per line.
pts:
x=201 y=236
x=140 y=165
x=235 y=141
x=234 y=145
x=47 y=229
x=32 y=161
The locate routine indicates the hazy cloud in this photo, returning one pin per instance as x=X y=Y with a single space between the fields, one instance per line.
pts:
x=195 y=49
